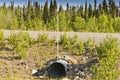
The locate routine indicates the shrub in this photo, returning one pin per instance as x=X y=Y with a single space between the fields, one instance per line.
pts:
x=2 y=40
x=20 y=42
x=42 y=38
x=80 y=48
x=51 y=42
x=24 y=36
x=65 y=41
x=108 y=44
x=108 y=54
x=90 y=47
x=21 y=49
x=12 y=40
x=74 y=44
x=74 y=40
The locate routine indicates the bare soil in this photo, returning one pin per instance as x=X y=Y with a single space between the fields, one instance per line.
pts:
x=13 y=68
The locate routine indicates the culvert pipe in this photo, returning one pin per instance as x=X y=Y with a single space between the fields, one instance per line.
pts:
x=57 y=69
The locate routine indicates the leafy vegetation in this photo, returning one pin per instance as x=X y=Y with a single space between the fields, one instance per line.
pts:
x=20 y=42
x=12 y=40
x=102 y=18
x=2 y=40
x=108 y=54
x=42 y=38
x=74 y=45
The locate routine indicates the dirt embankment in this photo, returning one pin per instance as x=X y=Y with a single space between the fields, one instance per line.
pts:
x=37 y=55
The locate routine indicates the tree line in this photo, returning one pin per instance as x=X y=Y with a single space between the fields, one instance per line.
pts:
x=102 y=17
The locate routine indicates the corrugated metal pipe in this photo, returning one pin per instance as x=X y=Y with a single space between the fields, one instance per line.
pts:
x=58 y=69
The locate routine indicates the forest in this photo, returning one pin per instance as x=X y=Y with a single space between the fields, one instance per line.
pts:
x=103 y=17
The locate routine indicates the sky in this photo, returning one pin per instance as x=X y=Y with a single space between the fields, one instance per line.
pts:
x=63 y=2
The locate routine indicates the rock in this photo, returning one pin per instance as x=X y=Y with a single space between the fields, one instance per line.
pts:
x=82 y=74
x=69 y=60
x=76 y=70
x=41 y=77
x=34 y=72
x=70 y=73
x=65 y=79
x=77 y=78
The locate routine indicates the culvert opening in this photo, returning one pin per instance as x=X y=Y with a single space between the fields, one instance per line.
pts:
x=57 y=70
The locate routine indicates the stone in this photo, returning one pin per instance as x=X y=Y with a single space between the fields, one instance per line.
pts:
x=65 y=79
x=41 y=77
x=34 y=72
x=77 y=78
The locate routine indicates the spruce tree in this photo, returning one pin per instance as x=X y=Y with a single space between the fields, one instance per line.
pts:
x=81 y=11
x=95 y=7
x=4 y=8
x=37 y=9
x=86 y=11
x=90 y=11
x=112 y=8
x=105 y=6
x=67 y=7
x=73 y=16
x=100 y=9
x=51 y=10
x=28 y=10
x=95 y=4
x=4 y=5
x=12 y=6
x=55 y=8
x=73 y=13
x=60 y=8
x=24 y=12
x=117 y=12
x=45 y=12
x=32 y=13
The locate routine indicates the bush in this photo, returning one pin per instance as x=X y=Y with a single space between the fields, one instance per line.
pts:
x=108 y=54
x=81 y=48
x=12 y=40
x=73 y=44
x=2 y=40
x=65 y=41
x=116 y=24
x=42 y=38
x=51 y=42
x=25 y=37
x=20 y=42
x=108 y=44
x=90 y=46
x=21 y=49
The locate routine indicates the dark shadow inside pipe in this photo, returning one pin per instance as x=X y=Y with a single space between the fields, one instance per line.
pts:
x=56 y=70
